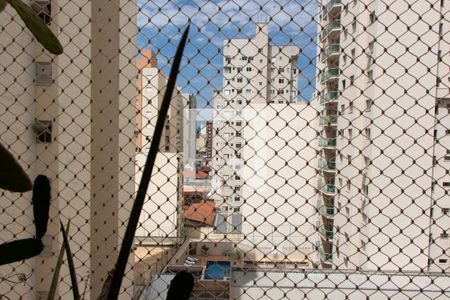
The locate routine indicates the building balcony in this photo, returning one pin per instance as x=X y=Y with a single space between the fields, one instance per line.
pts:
x=330 y=96
x=329 y=189
x=334 y=26
x=330 y=6
x=327 y=142
x=325 y=256
x=326 y=211
x=329 y=74
x=331 y=51
x=325 y=165
x=328 y=120
x=327 y=234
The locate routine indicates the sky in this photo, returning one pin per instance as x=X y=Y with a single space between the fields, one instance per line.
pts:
x=162 y=22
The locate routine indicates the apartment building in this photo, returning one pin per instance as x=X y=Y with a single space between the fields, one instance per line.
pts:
x=254 y=72
x=162 y=210
x=67 y=117
x=383 y=95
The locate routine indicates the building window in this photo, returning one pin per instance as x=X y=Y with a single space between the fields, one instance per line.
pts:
x=239 y=79
x=354 y=26
x=352 y=79
x=344 y=59
x=342 y=109
x=367 y=133
x=446 y=184
x=372 y=17
x=350 y=108
x=370 y=75
x=43 y=131
x=350 y=135
x=349 y=158
x=280 y=91
x=369 y=105
x=281 y=80
x=249 y=69
x=227 y=92
x=227 y=69
x=248 y=91
x=348 y=186
x=43 y=9
x=343 y=84
x=443 y=260
x=353 y=53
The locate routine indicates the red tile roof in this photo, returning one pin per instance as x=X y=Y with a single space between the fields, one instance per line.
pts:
x=202 y=212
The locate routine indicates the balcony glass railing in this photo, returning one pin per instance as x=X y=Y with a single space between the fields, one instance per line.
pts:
x=328 y=234
x=327 y=164
x=331 y=50
x=330 y=96
x=324 y=210
x=330 y=73
x=332 y=120
x=323 y=255
x=330 y=142
x=336 y=24
x=329 y=6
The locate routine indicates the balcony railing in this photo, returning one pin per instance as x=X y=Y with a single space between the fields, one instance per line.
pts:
x=327 y=188
x=328 y=234
x=331 y=50
x=330 y=142
x=330 y=73
x=331 y=120
x=330 y=96
x=336 y=24
x=327 y=165
x=327 y=8
x=325 y=210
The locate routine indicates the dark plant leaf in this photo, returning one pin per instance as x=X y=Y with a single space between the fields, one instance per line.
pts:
x=130 y=232
x=73 y=275
x=37 y=27
x=12 y=176
x=19 y=250
x=52 y=291
x=41 y=204
x=2 y=5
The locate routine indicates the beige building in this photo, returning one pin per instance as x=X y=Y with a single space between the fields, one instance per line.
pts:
x=255 y=72
x=68 y=117
x=383 y=100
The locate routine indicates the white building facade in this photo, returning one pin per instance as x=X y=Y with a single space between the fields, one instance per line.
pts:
x=383 y=101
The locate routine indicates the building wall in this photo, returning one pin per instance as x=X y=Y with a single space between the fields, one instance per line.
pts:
x=78 y=146
x=279 y=178
x=384 y=150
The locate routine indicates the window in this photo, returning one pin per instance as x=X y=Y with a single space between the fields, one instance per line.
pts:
x=354 y=26
x=350 y=134
x=441 y=27
x=343 y=84
x=444 y=235
x=446 y=184
x=148 y=114
x=43 y=73
x=367 y=133
x=342 y=109
x=238 y=123
x=239 y=79
x=345 y=33
x=372 y=17
x=227 y=69
x=244 y=58
x=447 y=158
x=227 y=58
x=353 y=53
x=370 y=75
x=227 y=92
x=249 y=69
x=238 y=145
x=352 y=79
x=280 y=91
x=281 y=80
x=43 y=9
x=350 y=108
x=348 y=186
x=443 y=260
x=349 y=159
x=445 y=211
x=340 y=182
x=248 y=91
x=341 y=133
x=239 y=101
x=239 y=69
x=365 y=189
x=43 y=131
x=344 y=59
x=369 y=105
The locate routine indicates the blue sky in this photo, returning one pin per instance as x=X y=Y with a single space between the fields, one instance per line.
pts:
x=161 y=23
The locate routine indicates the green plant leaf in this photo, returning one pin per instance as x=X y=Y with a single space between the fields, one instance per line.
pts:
x=52 y=291
x=19 y=250
x=41 y=204
x=130 y=232
x=37 y=27
x=2 y=5
x=12 y=176
x=73 y=274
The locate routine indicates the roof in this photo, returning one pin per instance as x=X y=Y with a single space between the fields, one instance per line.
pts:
x=203 y=212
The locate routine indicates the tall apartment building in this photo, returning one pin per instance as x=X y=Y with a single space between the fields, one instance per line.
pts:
x=161 y=212
x=383 y=97
x=254 y=72
x=68 y=117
